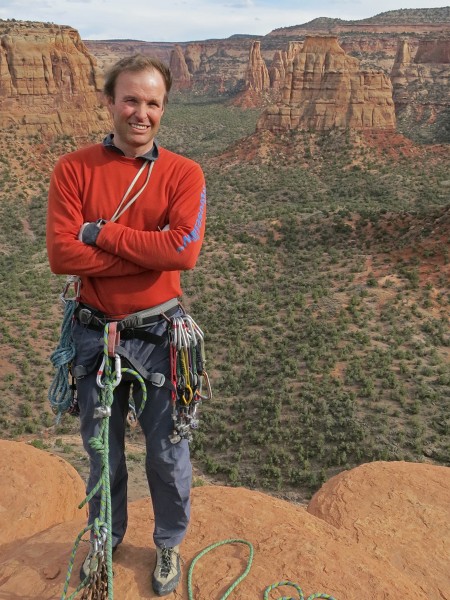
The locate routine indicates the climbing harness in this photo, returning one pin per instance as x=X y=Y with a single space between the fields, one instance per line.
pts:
x=267 y=591
x=188 y=375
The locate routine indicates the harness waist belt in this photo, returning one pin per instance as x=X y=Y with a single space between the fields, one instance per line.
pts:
x=129 y=326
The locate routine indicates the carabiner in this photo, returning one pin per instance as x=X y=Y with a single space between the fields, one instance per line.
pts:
x=185 y=336
x=174 y=332
x=190 y=395
x=71 y=279
x=131 y=415
x=191 y=329
x=100 y=373
x=208 y=387
x=118 y=369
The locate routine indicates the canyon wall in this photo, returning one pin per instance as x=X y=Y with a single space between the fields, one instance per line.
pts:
x=325 y=88
x=49 y=82
x=421 y=84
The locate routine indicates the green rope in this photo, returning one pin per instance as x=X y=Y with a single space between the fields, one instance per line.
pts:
x=143 y=387
x=101 y=445
x=212 y=547
x=106 y=400
x=59 y=393
x=70 y=567
x=299 y=590
x=245 y=573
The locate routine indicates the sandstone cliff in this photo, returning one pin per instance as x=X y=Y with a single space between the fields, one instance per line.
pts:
x=325 y=88
x=421 y=80
x=181 y=76
x=49 y=82
x=258 y=82
x=378 y=531
x=257 y=76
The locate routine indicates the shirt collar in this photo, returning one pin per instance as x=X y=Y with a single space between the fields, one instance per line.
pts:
x=152 y=154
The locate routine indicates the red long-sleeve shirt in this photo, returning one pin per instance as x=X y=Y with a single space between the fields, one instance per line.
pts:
x=134 y=265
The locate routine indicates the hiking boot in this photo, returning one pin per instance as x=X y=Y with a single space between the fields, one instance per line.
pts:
x=167 y=571
x=90 y=563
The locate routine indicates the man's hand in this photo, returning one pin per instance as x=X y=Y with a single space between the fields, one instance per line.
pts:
x=89 y=232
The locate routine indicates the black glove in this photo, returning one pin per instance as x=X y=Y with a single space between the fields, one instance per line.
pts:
x=89 y=232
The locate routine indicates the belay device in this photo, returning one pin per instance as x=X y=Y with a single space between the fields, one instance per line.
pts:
x=190 y=381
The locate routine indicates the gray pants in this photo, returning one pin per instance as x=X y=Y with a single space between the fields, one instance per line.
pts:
x=168 y=466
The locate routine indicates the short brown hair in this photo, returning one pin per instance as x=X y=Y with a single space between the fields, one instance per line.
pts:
x=136 y=63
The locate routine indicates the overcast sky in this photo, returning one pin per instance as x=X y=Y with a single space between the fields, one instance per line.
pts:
x=189 y=20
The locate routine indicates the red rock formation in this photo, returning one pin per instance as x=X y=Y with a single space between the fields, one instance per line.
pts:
x=181 y=77
x=277 y=70
x=48 y=80
x=39 y=491
x=433 y=51
x=325 y=89
x=420 y=88
x=194 y=57
x=351 y=543
x=257 y=77
x=281 y=62
x=396 y=520
x=257 y=80
x=220 y=66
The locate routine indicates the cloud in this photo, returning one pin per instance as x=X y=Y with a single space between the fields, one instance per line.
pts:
x=183 y=20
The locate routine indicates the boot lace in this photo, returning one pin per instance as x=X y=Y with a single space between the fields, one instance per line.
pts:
x=166 y=561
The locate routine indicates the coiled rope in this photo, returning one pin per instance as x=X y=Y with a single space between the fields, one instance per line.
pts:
x=59 y=392
x=299 y=590
x=246 y=572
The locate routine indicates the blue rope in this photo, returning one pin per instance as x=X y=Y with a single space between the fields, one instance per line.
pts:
x=59 y=392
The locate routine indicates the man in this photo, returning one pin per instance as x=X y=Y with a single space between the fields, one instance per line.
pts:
x=127 y=216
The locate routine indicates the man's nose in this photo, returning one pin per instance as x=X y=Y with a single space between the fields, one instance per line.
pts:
x=141 y=111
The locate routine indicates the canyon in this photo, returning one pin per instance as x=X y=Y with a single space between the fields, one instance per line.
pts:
x=381 y=73
x=326 y=259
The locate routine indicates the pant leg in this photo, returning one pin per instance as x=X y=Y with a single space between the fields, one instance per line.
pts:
x=88 y=398
x=168 y=466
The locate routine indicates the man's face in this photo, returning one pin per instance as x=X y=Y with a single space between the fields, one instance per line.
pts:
x=136 y=110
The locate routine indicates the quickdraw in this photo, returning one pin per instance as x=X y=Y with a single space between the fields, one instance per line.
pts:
x=188 y=375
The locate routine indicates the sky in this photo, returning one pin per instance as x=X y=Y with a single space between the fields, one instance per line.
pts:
x=191 y=20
